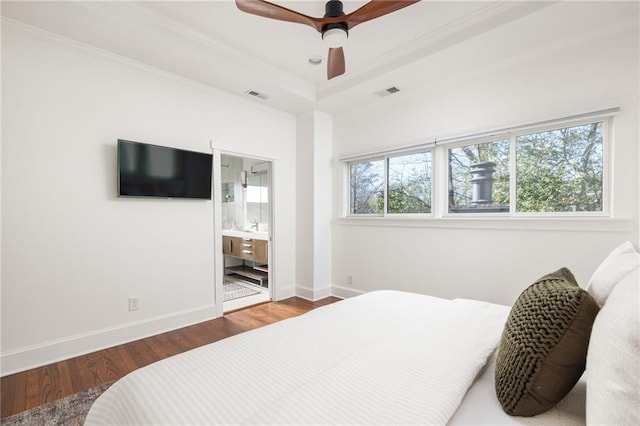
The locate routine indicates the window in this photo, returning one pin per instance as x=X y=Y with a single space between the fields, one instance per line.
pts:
x=479 y=178
x=553 y=167
x=409 y=183
x=367 y=187
x=560 y=170
x=403 y=181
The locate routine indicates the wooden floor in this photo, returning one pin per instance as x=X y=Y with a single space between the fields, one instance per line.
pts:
x=32 y=388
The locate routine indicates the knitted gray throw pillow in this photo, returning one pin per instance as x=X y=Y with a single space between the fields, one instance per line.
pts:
x=543 y=350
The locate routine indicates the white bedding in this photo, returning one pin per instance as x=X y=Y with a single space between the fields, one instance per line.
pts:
x=481 y=407
x=385 y=357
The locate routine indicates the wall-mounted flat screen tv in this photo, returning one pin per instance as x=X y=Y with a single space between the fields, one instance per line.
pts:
x=146 y=170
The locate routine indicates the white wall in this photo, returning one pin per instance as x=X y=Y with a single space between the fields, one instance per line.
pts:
x=304 y=205
x=322 y=205
x=591 y=66
x=72 y=252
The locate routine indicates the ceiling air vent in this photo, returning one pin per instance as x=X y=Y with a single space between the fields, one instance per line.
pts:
x=388 y=91
x=255 y=94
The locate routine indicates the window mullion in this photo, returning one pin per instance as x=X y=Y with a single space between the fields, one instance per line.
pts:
x=441 y=181
x=512 y=174
x=385 y=209
x=346 y=189
x=607 y=166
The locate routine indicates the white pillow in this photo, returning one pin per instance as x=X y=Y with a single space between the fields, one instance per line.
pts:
x=613 y=357
x=622 y=260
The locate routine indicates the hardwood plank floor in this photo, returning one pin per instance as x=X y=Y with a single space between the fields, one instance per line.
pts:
x=28 y=389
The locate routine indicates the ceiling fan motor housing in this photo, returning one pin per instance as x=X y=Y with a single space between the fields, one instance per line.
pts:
x=334 y=9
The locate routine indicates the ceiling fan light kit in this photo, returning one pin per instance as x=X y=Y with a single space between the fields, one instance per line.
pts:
x=334 y=26
x=335 y=37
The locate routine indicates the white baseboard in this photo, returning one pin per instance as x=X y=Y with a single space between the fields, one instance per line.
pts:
x=25 y=358
x=313 y=294
x=284 y=293
x=345 y=292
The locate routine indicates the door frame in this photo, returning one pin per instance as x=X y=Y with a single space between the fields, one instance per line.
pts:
x=217 y=226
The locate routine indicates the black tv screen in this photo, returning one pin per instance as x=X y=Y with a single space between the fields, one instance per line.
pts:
x=146 y=170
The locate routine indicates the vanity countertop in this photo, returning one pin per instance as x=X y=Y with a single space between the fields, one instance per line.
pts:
x=256 y=235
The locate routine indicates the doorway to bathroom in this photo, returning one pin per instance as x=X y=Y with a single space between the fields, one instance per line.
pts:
x=246 y=230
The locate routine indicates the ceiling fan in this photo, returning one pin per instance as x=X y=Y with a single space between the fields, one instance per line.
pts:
x=334 y=26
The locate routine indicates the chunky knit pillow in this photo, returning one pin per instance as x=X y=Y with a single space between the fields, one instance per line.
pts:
x=543 y=349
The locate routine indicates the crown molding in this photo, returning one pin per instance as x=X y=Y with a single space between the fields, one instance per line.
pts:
x=44 y=35
x=143 y=14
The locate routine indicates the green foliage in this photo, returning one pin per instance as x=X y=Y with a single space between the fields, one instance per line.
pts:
x=409 y=185
x=560 y=170
x=409 y=188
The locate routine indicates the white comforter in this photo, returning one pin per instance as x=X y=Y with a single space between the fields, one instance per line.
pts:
x=385 y=357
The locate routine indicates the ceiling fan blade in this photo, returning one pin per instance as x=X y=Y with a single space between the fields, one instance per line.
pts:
x=335 y=62
x=375 y=9
x=273 y=11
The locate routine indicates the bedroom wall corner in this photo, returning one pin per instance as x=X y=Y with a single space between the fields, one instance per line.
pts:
x=313 y=207
x=284 y=234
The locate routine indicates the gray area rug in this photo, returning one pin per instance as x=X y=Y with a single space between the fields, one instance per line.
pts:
x=235 y=291
x=68 y=411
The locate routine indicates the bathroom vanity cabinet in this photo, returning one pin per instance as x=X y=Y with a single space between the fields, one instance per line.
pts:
x=253 y=253
x=245 y=248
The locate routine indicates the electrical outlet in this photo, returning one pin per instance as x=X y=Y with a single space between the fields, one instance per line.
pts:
x=134 y=303
x=350 y=280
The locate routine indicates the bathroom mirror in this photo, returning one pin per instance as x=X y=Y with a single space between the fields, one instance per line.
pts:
x=258 y=197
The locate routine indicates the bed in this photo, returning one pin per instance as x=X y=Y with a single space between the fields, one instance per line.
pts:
x=385 y=357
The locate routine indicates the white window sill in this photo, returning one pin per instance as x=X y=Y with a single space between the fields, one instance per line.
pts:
x=564 y=223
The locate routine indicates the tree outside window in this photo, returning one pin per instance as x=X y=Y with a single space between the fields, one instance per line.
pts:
x=471 y=166
x=367 y=187
x=409 y=184
x=560 y=170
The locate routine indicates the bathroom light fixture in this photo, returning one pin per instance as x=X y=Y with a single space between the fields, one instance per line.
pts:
x=315 y=60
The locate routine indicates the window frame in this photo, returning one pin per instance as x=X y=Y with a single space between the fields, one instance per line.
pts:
x=606 y=189
x=431 y=176
x=440 y=173
x=347 y=209
x=444 y=202
x=385 y=159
